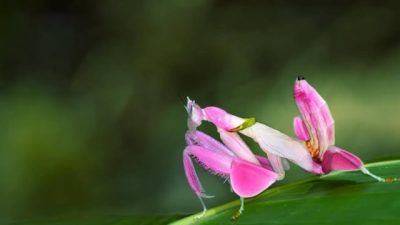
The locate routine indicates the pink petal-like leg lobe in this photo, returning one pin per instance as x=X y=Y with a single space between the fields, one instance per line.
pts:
x=300 y=129
x=204 y=140
x=217 y=163
x=249 y=180
x=234 y=142
x=338 y=159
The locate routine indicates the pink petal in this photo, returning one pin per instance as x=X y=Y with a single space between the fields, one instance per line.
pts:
x=235 y=143
x=300 y=129
x=315 y=114
x=338 y=159
x=249 y=180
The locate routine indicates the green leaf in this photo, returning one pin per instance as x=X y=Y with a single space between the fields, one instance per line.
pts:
x=110 y=220
x=337 y=198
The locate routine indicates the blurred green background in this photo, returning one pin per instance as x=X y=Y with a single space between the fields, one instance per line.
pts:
x=91 y=111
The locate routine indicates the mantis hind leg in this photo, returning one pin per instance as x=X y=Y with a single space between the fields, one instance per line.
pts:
x=366 y=171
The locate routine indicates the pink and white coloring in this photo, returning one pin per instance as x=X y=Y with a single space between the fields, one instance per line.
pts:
x=314 y=150
x=315 y=126
x=248 y=174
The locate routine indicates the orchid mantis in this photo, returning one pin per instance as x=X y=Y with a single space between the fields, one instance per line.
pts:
x=314 y=150
x=315 y=126
x=247 y=173
x=251 y=174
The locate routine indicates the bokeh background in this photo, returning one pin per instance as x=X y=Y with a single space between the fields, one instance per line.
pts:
x=91 y=92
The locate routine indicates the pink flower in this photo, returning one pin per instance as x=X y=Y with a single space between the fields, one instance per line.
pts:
x=315 y=126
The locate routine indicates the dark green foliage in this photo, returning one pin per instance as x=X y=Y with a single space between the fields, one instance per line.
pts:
x=337 y=198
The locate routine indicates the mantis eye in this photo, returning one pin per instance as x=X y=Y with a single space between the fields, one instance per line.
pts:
x=300 y=77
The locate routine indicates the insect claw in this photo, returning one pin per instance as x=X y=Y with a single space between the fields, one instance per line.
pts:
x=201 y=214
x=204 y=208
x=237 y=214
x=240 y=211
x=391 y=180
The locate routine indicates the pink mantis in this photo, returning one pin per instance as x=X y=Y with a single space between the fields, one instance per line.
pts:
x=250 y=174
